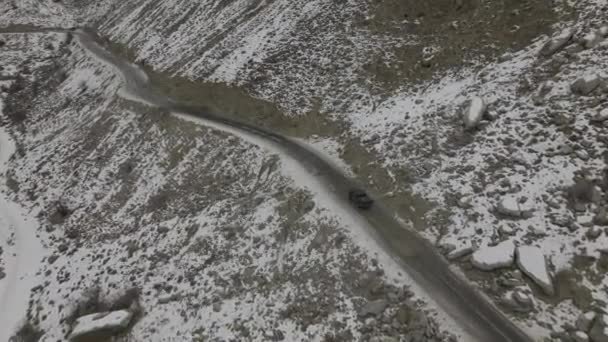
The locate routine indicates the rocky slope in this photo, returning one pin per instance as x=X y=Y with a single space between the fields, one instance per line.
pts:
x=184 y=226
x=466 y=116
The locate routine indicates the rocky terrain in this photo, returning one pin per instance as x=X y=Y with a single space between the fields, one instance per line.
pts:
x=147 y=220
x=482 y=123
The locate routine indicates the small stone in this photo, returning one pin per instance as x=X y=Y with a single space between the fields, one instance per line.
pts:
x=217 y=306
x=603 y=31
x=523 y=299
x=582 y=155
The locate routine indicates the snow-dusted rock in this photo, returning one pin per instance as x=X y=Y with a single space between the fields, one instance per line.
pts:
x=585 y=85
x=601 y=116
x=474 y=112
x=603 y=31
x=511 y=206
x=523 y=299
x=591 y=40
x=101 y=323
x=593 y=232
x=584 y=321
x=557 y=42
x=579 y=336
x=518 y=301
x=599 y=329
x=491 y=258
x=460 y=252
x=531 y=261
x=601 y=217
x=373 y=308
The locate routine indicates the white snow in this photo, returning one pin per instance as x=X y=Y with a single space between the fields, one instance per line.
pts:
x=22 y=252
x=101 y=321
x=491 y=258
x=531 y=262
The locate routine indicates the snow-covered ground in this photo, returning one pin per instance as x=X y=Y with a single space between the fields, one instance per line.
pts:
x=529 y=168
x=209 y=235
x=21 y=251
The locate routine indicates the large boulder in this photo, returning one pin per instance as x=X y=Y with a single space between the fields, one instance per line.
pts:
x=495 y=257
x=585 y=85
x=100 y=325
x=531 y=261
x=557 y=42
x=474 y=112
x=599 y=329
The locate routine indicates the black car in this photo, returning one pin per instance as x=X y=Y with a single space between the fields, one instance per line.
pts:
x=360 y=199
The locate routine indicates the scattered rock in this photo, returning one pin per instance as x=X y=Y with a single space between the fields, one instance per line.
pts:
x=531 y=261
x=584 y=321
x=593 y=233
x=491 y=258
x=474 y=112
x=599 y=329
x=601 y=116
x=591 y=40
x=523 y=299
x=511 y=206
x=601 y=218
x=562 y=219
x=373 y=308
x=583 y=191
x=510 y=300
x=103 y=324
x=557 y=42
x=585 y=85
x=458 y=253
x=579 y=336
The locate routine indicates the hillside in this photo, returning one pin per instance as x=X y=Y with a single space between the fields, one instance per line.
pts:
x=480 y=123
